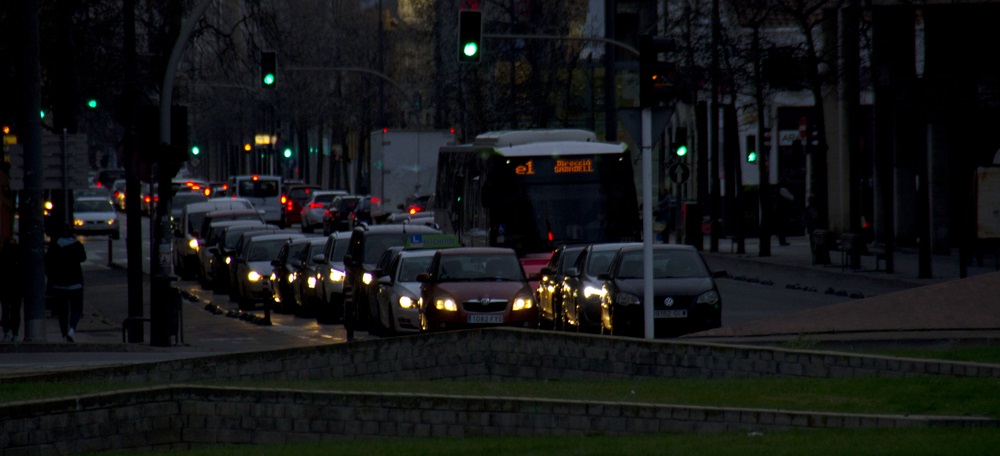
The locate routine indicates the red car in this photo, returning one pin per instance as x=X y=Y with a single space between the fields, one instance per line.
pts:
x=472 y=287
x=292 y=200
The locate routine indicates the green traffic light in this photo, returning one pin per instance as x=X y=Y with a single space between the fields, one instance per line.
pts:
x=92 y=103
x=752 y=157
x=682 y=150
x=269 y=79
x=42 y=114
x=195 y=150
x=288 y=153
x=470 y=49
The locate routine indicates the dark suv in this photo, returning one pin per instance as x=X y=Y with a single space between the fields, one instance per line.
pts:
x=367 y=245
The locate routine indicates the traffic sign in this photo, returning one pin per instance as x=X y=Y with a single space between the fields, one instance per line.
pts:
x=59 y=153
x=679 y=172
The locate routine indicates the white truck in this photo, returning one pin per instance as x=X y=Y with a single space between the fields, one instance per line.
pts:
x=403 y=166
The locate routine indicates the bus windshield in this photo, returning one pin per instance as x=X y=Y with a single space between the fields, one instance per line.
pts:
x=534 y=197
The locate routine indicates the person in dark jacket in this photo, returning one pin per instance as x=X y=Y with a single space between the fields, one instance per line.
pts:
x=13 y=276
x=65 y=278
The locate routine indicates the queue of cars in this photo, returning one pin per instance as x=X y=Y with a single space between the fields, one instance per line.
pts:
x=405 y=276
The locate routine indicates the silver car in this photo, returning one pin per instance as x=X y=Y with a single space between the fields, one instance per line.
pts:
x=313 y=209
x=398 y=291
x=95 y=215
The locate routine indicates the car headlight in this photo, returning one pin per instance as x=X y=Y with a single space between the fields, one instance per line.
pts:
x=709 y=297
x=522 y=303
x=626 y=299
x=253 y=276
x=367 y=278
x=311 y=282
x=447 y=304
x=291 y=277
x=111 y=221
x=77 y=222
x=193 y=244
x=229 y=260
x=273 y=277
x=406 y=302
x=591 y=291
x=336 y=276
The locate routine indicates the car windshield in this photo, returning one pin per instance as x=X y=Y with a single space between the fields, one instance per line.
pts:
x=295 y=250
x=325 y=198
x=93 y=206
x=475 y=268
x=340 y=249
x=378 y=243
x=409 y=268
x=666 y=265
x=263 y=188
x=265 y=250
x=599 y=262
x=300 y=193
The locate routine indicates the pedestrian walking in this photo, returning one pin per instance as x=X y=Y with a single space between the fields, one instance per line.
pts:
x=13 y=276
x=65 y=278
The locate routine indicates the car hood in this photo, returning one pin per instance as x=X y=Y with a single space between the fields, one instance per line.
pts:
x=474 y=291
x=260 y=266
x=676 y=287
x=413 y=288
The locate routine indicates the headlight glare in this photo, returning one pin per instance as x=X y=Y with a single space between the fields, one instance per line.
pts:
x=336 y=276
x=521 y=303
x=367 y=278
x=193 y=244
x=253 y=276
x=405 y=302
x=591 y=291
x=311 y=282
x=446 y=304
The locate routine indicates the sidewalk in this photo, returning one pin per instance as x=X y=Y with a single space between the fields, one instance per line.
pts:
x=896 y=306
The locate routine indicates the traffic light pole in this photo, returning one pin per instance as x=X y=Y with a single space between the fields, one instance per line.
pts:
x=161 y=293
x=647 y=221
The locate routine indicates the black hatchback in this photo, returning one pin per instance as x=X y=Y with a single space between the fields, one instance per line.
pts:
x=685 y=297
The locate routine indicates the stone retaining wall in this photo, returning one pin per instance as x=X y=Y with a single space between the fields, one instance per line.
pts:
x=497 y=354
x=182 y=417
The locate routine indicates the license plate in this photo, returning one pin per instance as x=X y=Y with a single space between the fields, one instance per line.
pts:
x=682 y=313
x=485 y=319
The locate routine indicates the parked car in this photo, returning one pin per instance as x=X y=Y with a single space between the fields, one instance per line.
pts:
x=582 y=289
x=224 y=251
x=95 y=215
x=685 y=297
x=367 y=245
x=253 y=268
x=308 y=286
x=331 y=268
x=284 y=275
x=472 y=287
x=335 y=217
x=293 y=197
x=551 y=283
x=311 y=214
x=398 y=291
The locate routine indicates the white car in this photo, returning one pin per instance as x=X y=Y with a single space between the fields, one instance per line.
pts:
x=332 y=269
x=313 y=209
x=398 y=291
x=95 y=215
x=185 y=245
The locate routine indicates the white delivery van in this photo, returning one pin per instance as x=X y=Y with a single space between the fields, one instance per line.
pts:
x=263 y=191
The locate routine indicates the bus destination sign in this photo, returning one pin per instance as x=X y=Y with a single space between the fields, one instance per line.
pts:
x=559 y=166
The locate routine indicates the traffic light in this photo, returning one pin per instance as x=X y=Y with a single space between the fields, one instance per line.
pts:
x=288 y=152
x=92 y=103
x=751 y=148
x=268 y=69
x=195 y=150
x=680 y=145
x=656 y=78
x=470 y=35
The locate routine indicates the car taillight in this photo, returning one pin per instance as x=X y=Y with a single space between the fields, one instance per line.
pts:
x=284 y=200
x=315 y=205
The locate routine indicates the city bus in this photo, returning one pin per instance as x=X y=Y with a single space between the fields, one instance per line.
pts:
x=534 y=190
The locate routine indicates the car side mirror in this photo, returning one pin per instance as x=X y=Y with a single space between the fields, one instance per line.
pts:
x=319 y=258
x=424 y=277
x=385 y=280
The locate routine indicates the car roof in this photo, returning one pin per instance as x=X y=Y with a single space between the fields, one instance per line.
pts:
x=605 y=246
x=329 y=192
x=216 y=204
x=225 y=212
x=92 y=198
x=399 y=228
x=276 y=237
x=225 y=223
x=416 y=253
x=476 y=251
x=667 y=247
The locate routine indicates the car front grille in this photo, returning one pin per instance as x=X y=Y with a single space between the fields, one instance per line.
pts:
x=485 y=305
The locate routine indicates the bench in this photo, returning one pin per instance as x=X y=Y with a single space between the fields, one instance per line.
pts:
x=853 y=246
